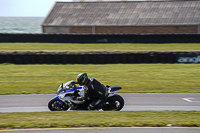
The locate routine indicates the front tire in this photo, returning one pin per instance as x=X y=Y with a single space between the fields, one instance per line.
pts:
x=116 y=102
x=56 y=105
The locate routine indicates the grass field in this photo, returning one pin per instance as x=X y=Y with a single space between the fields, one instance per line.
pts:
x=137 y=78
x=98 y=47
x=100 y=119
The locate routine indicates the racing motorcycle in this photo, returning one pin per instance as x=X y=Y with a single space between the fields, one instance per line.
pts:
x=64 y=100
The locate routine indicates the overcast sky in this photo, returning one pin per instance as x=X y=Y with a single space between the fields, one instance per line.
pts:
x=26 y=8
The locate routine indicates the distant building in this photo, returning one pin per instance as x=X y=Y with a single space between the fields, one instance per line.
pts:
x=124 y=17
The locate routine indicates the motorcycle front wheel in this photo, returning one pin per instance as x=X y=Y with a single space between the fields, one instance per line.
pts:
x=56 y=105
x=116 y=102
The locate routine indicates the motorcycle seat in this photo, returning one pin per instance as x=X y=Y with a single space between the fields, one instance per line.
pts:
x=113 y=87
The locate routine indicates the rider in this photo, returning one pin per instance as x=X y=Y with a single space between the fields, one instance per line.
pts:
x=93 y=90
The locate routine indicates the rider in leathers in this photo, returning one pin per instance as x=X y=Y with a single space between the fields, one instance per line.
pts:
x=93 y=90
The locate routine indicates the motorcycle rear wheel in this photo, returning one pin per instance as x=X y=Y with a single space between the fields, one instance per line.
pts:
x=55 y=105
x=116 y=102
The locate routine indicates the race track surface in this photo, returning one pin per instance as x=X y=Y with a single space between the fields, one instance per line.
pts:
x=133 y=102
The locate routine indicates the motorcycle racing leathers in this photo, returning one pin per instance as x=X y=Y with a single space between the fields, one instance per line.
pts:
x=95 y=92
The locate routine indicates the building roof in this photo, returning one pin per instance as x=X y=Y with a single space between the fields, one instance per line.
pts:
x=125 y=13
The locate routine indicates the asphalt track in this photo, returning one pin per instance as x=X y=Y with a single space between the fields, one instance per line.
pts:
x=133 y=102
x=105 y=130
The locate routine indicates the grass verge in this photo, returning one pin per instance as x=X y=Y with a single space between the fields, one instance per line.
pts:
x=59 y=47
x=133 y=78
x=100 y=119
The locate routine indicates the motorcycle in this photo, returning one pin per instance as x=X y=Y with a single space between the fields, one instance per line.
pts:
x=64 y=100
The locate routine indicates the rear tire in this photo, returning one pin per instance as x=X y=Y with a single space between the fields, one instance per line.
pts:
x=116 y=102
x=56 y=105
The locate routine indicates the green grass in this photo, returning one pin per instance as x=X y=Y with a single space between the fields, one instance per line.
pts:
x=151 y=78
x=135 y=78
x=99 y=47
x=100 y=119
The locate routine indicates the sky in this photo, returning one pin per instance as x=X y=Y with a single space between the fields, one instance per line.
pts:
x=26 y=8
